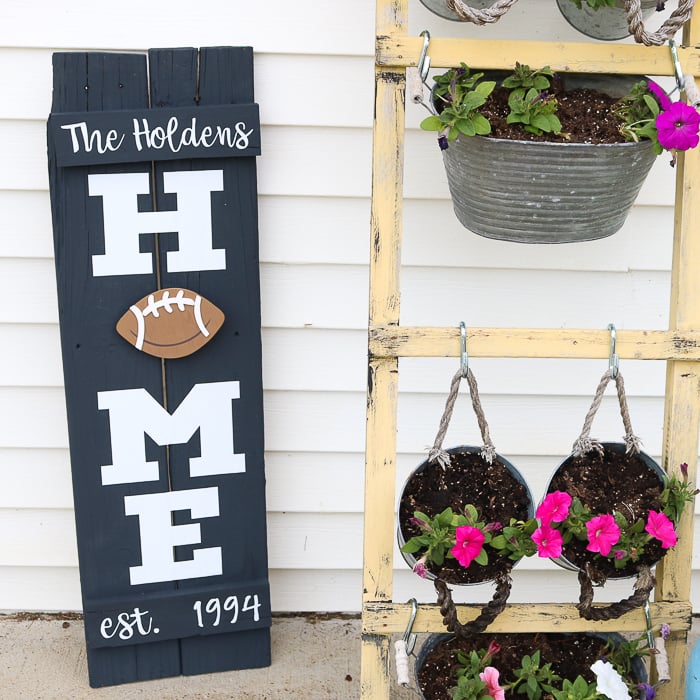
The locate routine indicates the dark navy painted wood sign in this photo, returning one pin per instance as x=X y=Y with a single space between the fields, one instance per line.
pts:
x=154 y=203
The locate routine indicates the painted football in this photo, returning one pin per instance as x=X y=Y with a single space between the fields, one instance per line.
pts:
x=170 y=323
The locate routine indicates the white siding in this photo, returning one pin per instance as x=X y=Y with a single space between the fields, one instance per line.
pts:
x=314 y=83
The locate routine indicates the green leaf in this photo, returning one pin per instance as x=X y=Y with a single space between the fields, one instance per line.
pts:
x=483 y=558
x=541 y=121
x=485 y=88
x=652 y=104
x=481 y=124
x=466 y=127
x=498 y=542
x=431 y=123
x=411 y=546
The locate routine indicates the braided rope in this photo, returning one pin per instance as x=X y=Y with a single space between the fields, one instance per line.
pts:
x=488 y=451
x=487 y=16
x=635 y=22
x=584 y=443
x=487 y=615
x=643 y=587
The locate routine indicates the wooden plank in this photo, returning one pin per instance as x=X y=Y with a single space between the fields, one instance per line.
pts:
x=86 y=82
x=222 y=76
x=395 y=50
x=387 y=618
x=682 y=408
x=392 y=341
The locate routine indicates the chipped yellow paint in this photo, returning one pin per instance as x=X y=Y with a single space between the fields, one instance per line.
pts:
x=398 y=50
x=555 y=617
x=388 y=341
x=405 y=341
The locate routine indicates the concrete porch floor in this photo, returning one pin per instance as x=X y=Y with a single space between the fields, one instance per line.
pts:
x=314 y=657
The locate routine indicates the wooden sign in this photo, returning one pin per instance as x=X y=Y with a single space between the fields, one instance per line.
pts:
x=154 y=203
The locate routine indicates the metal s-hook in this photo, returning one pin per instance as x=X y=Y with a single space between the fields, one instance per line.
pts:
x=424 y=60
x=614 y=362
x=463 y=357
x=677 y=69
x=408 y=636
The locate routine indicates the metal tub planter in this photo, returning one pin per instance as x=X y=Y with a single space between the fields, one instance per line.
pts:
x=548 y=192
x=561 y=658
x=605 y=23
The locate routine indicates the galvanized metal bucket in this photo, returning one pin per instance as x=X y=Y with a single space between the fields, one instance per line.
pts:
x=638 y=670
x=542 y=192
x=440 y=8
x=606 y=23
x=620 y=448
x=410 y=559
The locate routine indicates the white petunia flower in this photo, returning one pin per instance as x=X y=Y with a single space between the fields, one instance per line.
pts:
x=609 y=682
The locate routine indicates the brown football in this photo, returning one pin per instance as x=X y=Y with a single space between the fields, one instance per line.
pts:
x=170 y=323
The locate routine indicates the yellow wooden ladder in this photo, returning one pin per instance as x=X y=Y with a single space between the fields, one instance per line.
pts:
x=679 y=346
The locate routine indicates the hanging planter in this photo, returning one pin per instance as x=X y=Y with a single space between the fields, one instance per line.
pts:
x=531 y=665
x=610 y=511
x=599 y=20
x=611 y=20
x=534 y=157
x=456 y=513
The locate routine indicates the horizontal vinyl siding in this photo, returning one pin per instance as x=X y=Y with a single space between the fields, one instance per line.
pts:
x=315 y=86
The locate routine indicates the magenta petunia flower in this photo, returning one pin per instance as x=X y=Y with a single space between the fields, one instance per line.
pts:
x=660 y=94
x=548 y=541
x=678 y=127
x=603 y=533
x=470 y=540
x=490 y=676
x=554 y=508
x=659 y=526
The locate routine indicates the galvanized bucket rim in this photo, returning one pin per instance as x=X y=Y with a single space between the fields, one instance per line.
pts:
x=653 y=465
x=410 y=559
x=645 y=143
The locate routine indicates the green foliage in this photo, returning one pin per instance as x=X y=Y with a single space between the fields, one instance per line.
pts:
x=595 y=4
x=516 y=539
x=578 y=689
x=638 y=110
x=533 y=679
x=674 y=497
x=535 y=110
x=438 y=534
x=524 y=77
x=469 y=685
x=621 y=653
x=470 y=688
x=460 y=94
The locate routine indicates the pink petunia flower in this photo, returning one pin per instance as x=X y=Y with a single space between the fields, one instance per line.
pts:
x=619 y=554
x=554 y=508
x=548 y=541
x=490 y=676
x=470 y=540
x=659 y=93
x=678 y=127
x=603 y=533
x=659 y=526
x=420 y=568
